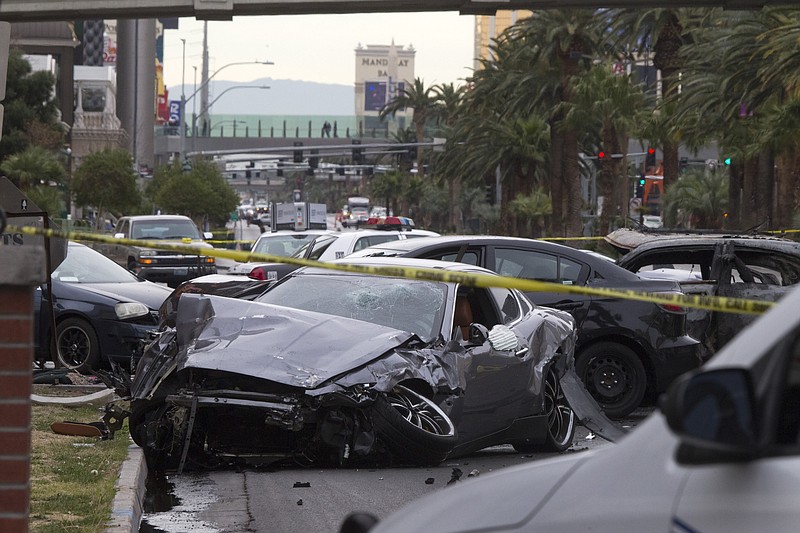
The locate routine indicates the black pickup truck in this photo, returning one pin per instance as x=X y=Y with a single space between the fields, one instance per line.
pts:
x=163 y=266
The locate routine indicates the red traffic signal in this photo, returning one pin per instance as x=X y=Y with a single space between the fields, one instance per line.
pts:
x=601 y=154
x=650 y=159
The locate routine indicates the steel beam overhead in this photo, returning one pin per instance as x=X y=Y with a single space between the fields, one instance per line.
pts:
x=42 y=10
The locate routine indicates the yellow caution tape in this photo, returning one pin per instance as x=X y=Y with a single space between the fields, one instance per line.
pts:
x=710 y=303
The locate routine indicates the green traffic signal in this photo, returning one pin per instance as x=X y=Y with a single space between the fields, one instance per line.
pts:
x=641 y=181
x=727 y=160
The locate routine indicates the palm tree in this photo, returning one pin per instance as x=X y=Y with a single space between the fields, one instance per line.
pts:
x=423 y=100
x=449 y=100
x=610 y=104
x=33 y=167
x=659 y=30
x=564 y=43
x=701 y=195
x=534 y=207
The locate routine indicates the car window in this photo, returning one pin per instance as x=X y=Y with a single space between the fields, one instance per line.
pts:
x=122 y=228
x=541 y=266
x=408 y=305
x=84 y=265
x=164 y=229
x=283 y=245
x=507 y=303
x=372 y=240
x=470 y=257
x=315 y=247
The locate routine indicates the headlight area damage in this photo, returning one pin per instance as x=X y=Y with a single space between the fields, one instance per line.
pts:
x=254 y=383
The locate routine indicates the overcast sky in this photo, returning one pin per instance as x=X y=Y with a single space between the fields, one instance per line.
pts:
x=319 y=47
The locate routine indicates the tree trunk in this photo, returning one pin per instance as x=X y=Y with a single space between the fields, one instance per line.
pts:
x=556 y=188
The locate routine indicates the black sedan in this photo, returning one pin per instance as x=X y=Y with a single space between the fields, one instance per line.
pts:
x=624 y=347
x=102 y=312
x=338 y=368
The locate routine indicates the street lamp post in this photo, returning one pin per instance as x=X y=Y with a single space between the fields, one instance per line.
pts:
x=184 y=99
x=205 y=109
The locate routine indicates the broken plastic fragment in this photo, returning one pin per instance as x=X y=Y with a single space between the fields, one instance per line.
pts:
x=474 y=473
x=457 y=473
x=429 y=481
x=301 y=485
x=300 y=501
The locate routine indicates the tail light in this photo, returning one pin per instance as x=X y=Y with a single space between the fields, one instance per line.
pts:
x=671 y=308
x=257 y=273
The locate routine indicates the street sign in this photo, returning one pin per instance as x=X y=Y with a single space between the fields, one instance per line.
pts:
x=174 y=112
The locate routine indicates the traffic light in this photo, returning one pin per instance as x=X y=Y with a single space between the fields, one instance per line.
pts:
x=340 y=171
x=358 y=153
x=490 y=199
x=639 y=188
x=650 y=158
x=728 y=160
x=297 y=155
x=603 y=156
x=313 y=159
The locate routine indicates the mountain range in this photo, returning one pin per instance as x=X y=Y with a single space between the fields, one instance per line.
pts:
x=284 y=97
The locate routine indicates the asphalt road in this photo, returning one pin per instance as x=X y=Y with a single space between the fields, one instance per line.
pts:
x=261 y=500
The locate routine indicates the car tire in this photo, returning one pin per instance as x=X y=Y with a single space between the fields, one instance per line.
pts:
x=560 y=420
x=614 y=376
x=151 y=429
x=77 y=346
x=413 y=427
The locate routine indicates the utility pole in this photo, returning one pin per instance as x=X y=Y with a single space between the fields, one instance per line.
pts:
x=204 y=81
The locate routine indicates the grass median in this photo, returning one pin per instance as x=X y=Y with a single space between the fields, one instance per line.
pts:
x=73 y=479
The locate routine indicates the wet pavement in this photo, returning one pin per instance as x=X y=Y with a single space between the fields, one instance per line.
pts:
x=298 y=499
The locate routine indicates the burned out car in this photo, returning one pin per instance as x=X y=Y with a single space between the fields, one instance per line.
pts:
x=754 y=267
x=335 y=367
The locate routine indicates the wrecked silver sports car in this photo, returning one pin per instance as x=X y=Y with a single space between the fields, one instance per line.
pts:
x=338 y=368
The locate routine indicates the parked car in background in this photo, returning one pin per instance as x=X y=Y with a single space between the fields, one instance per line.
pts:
x=341 y=367
x=283 y=243
x=723 y=455
x=163 y=266
x=335 y=245
x=625 y=348
x=102 y=312
x=756 y=267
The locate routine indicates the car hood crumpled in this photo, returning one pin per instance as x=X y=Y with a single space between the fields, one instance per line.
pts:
x=290 y=346
x=150 y=294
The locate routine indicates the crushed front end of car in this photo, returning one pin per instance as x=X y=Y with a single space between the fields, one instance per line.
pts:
x=230 y=384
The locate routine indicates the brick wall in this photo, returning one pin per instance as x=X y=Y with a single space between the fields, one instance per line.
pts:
x=16 y=360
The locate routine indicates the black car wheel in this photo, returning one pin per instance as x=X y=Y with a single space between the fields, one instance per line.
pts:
x=560 y=419
x=413 y=427
x=614 y=376
x=77 y=347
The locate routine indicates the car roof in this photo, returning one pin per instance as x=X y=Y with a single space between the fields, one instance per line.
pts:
x=157 y=217
x=458 y=240
x=626 y=239
x=411 y=262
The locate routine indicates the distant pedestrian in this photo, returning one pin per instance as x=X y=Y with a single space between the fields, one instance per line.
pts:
x=326 y=129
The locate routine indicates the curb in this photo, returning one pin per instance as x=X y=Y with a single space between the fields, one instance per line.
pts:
x=126 y=509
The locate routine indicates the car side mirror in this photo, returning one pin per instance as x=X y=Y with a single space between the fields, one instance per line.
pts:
x=478 y=334
x=714 y=409
x=207 y=235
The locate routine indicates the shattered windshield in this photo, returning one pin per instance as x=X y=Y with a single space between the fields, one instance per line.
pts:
x=408 y=305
